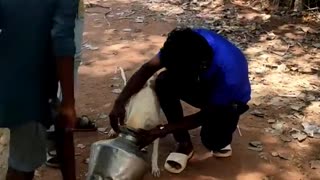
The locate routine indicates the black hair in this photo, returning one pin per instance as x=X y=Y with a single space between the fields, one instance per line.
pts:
x=184 y=48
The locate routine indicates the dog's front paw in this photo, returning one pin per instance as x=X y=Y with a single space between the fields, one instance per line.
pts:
x=155 y=171
x=112 y=134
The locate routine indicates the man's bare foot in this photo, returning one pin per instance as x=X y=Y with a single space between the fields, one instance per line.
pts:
x=184 y=148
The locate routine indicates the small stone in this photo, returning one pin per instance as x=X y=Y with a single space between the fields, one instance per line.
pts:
x=271 y=121
x=255 y=146
x=269 y=130
x=258 y=149
x=256 y=103
x=115 y=78
x=285 y=156
x=115 y=85
x=81 y=146
x=276 y=101
x=260 y=70
x=86 y=161
x=37 y=173
x=305 y=29
x=285 y=138
x=102 y=130
x=139 y=19
x=103 y=116
x=274 y=154
x=297 y=115
x=300 y=136
x=107 y=105
x=278 y=126
x=315 y=164
x=295 y=107
x=282 y=68
x=316 y=45
x=310 y=97
x=116 y=91
x=263 y=155
x=127 y=30
x=255 y=143
x=257 y=113
x=312 y=130
x=90 y=47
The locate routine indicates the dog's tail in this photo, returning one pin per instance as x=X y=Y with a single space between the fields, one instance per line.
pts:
x=123 y=75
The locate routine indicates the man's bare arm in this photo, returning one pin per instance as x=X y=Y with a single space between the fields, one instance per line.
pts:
x=134 y=85
x=139 y=78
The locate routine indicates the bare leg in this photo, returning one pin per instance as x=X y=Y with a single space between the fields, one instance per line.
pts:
x=154 y=160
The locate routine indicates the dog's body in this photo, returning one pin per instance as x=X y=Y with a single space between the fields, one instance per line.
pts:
x=143 y=112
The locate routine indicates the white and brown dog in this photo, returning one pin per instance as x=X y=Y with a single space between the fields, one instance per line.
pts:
x=143 y=112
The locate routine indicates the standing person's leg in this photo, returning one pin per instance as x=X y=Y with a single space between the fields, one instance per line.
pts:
x=84 y=123
x=27 y=150
x=78 y=36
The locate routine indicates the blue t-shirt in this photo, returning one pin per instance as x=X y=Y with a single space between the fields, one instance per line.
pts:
x=228 y=72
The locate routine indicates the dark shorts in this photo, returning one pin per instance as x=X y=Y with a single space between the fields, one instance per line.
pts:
x=218 y=122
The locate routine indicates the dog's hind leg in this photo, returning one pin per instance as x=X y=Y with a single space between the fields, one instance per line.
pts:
x=154 y=160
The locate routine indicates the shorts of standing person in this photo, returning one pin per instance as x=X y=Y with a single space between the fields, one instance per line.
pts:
x=27 y=150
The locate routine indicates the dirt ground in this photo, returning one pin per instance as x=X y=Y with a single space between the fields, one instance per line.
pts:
x=283 y=54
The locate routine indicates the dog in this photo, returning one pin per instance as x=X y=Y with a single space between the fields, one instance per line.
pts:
x=143 y=112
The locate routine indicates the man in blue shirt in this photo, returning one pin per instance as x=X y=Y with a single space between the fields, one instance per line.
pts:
x=36 y=50
x=208 y=72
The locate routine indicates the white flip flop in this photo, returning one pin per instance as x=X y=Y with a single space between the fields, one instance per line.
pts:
x=179 y=158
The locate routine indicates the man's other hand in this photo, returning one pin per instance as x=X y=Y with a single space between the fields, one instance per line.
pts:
x=117 y=116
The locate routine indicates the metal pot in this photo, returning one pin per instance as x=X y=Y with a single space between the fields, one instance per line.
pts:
x=117 y=159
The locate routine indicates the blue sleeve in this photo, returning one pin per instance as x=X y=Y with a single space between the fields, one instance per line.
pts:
x=62 y=32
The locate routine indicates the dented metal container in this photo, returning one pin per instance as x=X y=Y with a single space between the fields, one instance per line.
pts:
x=117 y=159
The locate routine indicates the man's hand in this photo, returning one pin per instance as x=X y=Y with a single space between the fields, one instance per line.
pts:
x=67 y=116
x=146 y=137
x=117 y=116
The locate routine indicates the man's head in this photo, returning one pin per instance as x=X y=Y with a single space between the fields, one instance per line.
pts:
x=185 y=53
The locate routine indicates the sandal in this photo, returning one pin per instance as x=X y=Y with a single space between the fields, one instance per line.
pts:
x=85 y=124
x=179 y=159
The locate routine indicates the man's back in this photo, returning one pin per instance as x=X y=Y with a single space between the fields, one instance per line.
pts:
x=229 y=70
